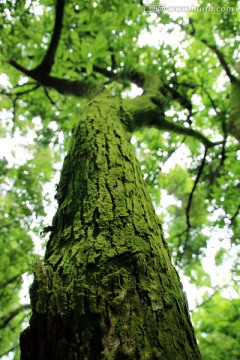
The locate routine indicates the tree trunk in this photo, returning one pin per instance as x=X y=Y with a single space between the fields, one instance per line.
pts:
x=107 y=289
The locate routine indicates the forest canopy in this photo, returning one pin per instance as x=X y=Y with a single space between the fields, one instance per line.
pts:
x=188 y=144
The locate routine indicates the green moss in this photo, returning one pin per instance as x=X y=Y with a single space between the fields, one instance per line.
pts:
x=113 y=286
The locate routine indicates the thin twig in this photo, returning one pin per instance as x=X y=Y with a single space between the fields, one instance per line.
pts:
x=208 y=299
x=222 y=116
x=13 y=348
x=188 y=208
x=48 y=96
x=12 y=222
x=11 y=280
x=170 y=154
x=221 y=59
x=218 y=53
x=4 y=320
x=20 y=93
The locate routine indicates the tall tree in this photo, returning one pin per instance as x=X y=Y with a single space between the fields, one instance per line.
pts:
x=106 y=287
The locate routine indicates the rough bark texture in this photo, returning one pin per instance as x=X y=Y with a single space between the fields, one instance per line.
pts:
x=107 y=289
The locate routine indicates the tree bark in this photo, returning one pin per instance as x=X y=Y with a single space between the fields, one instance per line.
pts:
x=107 y=288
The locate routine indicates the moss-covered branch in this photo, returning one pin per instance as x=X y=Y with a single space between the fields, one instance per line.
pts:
x=147 y=111
x=82 y=89
x=181 y=130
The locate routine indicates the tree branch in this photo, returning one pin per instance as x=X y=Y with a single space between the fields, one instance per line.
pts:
x=20 y=93
x=17 y=94
x=87 y=89
x=4 y=320
x=48 y=61
x=175 y=95
x=208 y=299
x=214 y=48
x=181 y=130
x=49 y=97
x=13 y=348
x=170 y=153
x=83 y=89
x=11 y=280
x=158 y=120
x=108 y=73
x=222 y=116
x=190 y=199
x=221 y=59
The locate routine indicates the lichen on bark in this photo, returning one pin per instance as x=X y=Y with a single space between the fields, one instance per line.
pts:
x=113 y=292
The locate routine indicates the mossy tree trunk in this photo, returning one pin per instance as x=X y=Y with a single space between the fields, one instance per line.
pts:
x=107 y=288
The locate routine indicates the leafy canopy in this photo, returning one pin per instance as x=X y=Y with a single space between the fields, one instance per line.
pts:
x=193 y=179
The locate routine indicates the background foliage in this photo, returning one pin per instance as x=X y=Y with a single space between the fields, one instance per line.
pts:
x=195 y=190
